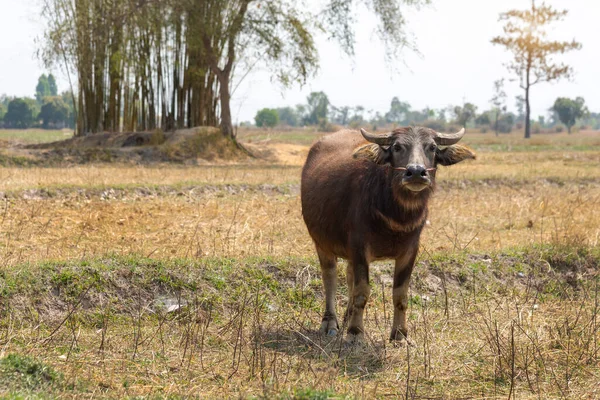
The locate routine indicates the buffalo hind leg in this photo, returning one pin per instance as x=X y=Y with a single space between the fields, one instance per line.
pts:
x=358 y=299
x=329 y=324
x=402 y=272
x=350 y=282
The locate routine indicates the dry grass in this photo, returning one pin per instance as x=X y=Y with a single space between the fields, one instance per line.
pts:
x=521 y=166
x=260 y=220
x=110 y=176
x=90 y=252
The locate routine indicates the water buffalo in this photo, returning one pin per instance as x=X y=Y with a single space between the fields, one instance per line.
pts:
x=364 y=198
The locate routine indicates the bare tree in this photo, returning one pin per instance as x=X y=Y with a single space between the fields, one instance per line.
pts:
x=526 y=38
x=498 y=101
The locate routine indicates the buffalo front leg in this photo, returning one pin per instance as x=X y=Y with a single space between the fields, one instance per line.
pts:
x=329 y=324
x=359 y=295
x=402 y=272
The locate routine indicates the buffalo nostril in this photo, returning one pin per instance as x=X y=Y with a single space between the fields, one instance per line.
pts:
x=416 y=171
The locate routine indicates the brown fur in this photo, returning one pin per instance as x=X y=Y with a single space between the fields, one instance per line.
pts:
x=398 y=227
x=357 y=206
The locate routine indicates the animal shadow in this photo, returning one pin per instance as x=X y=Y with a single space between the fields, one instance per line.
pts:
x=354 y=359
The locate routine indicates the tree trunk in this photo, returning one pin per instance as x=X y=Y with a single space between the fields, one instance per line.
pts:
x=527 y=106
x=569 y=128
x=527 y=115
x=226 y=124
x=496 y=124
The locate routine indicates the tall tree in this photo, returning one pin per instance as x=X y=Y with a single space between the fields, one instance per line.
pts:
x=341 y=115
x=42 y=89
x=499 y=102
x=569 y=110
x=465 y=113
x=171 y=63
x=398 y=112
x=525 y=36
x=520 y=105
x=357 y=119
x=52 y=85
x=483 y=119
x=54 y=112
x=267 y=117
x=136 y=65
x=441 y=115
x=20 y=113
x=71 y=114
x=288 y=116
x=317 y=108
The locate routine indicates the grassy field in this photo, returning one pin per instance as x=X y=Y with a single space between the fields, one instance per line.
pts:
x=174 y=281
x=34 y=135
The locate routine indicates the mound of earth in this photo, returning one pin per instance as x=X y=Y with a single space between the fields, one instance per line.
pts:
x=196 y=145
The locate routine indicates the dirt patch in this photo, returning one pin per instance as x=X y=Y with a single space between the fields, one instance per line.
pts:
x=106 y=140
x=144 y=192
x=280 y=153
x=187 y=146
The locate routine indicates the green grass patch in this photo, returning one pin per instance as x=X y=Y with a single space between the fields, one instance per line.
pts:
x=23 y=376
x=17 y=161
x=287 y=282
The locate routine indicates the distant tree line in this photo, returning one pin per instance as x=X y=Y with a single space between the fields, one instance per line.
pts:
x=320 y=113
x=47 y=109
x=525 y=36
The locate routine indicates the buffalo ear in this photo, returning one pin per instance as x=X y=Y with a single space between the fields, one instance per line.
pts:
x=454 y=154
x=372 y=152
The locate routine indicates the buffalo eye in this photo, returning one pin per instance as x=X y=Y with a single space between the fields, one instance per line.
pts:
x=432 y=147
x=397 y=147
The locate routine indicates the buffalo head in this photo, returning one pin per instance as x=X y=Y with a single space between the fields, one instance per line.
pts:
x=414 y=153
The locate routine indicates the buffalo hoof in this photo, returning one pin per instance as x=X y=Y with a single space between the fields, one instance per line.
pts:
x=355 y=336
x=329 y=327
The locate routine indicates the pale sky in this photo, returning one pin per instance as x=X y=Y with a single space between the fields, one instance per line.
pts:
x=457 y=60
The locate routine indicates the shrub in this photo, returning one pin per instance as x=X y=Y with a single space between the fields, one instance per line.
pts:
x=157 y=138
x=506 y=122
x=267 y=117
x=20 y=114
x=326 y=126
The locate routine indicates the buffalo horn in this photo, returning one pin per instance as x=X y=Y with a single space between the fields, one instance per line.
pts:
x=382 y=140
x=447 y=139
